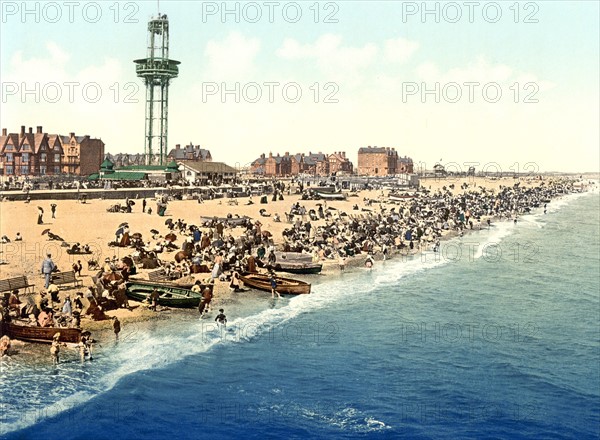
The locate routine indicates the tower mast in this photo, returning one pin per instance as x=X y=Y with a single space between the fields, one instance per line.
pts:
x=157 y=70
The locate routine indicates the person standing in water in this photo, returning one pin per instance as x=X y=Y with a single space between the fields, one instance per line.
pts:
x=116 y=327
x=274 y=286
x=55 y=348
x=221 y=318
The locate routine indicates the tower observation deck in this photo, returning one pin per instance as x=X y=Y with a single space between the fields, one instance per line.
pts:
x=157 y=70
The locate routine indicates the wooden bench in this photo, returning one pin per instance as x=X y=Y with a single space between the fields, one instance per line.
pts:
x=158 y=275
x=65 y=278
x=16 y=283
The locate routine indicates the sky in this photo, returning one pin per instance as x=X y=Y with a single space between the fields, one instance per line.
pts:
x=499 y=85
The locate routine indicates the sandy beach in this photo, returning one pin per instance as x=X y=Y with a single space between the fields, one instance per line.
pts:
x=91 y=224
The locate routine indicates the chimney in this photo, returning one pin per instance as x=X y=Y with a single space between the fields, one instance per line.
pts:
x=309 y=153
x=72 y=134
x=22 y=130
x=4 y=132
x=262 y=156
x=39 y=129
x=270 y=154
x=178 y=146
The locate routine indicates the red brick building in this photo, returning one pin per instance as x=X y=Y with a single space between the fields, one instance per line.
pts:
x=379 y=161
x=316 y=164
x=82 y=155
x=405 y=165
x=39 y=154
x=339 y=163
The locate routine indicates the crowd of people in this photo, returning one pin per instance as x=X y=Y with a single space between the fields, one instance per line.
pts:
x=222 y=248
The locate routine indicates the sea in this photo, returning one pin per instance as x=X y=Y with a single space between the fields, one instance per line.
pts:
x=497 y=335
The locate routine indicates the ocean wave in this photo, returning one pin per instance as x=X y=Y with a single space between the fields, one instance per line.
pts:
x=346 y=419
x=72 y=386
x=147 y=350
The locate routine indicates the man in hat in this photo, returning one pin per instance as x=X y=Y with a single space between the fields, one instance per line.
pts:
x=48 y=267
x=107 y=268
x=53 y=210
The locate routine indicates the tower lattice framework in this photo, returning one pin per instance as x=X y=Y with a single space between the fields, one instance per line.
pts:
x=157 y=70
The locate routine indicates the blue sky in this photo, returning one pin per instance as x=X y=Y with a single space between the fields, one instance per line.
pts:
x=373 y=57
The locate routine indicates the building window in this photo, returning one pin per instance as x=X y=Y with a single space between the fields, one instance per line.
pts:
x=9 y=157
x=57 y=157
x=25 y=158
x=43 y=157
x=57 y=169
x=9 y=147
x=8 y=170
x=42 y=170
x=26 y=147
x=24 y=169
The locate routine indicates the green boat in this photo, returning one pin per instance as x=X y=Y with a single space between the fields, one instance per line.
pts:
x=169 y=295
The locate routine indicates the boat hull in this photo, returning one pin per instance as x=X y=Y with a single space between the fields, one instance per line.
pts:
x=298 y=268
x=169 y=296
x=40 y=334
x=330 y=196
x=284 y=285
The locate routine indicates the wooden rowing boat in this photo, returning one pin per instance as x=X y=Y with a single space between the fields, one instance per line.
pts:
x=293 y=257
x=330 y=196
x=174 y=283
x=294 y=262
x=284 y=285
x=169 y=295
x=39 y=334
x=298 y=267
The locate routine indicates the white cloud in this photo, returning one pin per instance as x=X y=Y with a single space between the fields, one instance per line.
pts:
x=335 y=61
x=399 y=50
x=53 y=91
x=482 y=71
x=231 y=58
